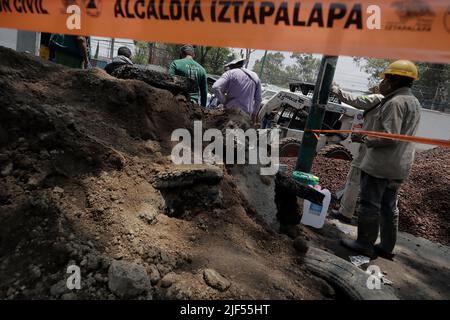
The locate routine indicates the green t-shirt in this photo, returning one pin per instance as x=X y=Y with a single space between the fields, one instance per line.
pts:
x=67 y=44
x=189 y=68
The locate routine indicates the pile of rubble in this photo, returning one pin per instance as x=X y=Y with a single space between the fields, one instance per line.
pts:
x=86 y=180
x=424 y=199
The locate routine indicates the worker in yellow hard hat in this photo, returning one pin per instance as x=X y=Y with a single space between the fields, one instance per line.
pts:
x=402 y=68
x=386 y=162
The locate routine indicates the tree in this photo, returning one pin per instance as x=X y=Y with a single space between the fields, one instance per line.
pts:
x=215 y=61
x=151 y=52
x=433 y=86
x=373 y=67
x=274 y=71
x=141 y=52
x=305 y=68
x=201 y=54
x=166 y=53
x=432 y=89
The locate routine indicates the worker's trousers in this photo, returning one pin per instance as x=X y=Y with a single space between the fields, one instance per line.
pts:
x=351 y=192
x=379 y=212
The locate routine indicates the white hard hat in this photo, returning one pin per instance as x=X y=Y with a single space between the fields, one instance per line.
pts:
x=235 y=61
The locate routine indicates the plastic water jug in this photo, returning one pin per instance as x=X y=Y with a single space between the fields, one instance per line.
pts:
x=313 y=214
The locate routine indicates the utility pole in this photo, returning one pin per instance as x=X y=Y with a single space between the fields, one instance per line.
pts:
x=434 y=98
x=262 y=66
x=111 y=49
x=151 y=46
x=322 y=89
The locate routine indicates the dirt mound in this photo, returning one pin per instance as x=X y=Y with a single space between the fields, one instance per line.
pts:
x=86 y=180
x=424 y=198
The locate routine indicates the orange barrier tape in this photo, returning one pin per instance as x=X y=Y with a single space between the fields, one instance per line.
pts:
x=401 y=137
x=412 y=29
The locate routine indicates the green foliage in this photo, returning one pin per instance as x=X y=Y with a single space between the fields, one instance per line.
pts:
x=433 y=86
x=432 y=89
x=141 y=52
x=305 y=68
x=212 y=59
x=373 y=67
x=275 y=72
x=166 y=53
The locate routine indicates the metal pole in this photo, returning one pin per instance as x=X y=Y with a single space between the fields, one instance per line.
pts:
x=111 y=52
x=262 y=66
x=151 y=45
x=322 y=89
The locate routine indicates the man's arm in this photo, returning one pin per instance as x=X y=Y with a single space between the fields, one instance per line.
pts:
x=391 y=117
x=362 y=102
x=203 y=89
x=220 y=86
x=83 y=50
x=258 y=99
x=172 y=68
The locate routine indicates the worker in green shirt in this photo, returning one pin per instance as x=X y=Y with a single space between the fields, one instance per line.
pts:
x=71 y=51
x=189 y=68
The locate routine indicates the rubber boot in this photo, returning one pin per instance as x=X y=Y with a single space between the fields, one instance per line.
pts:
x=368 y=227
x=388 y=235
x=291 y=230
x=388 y=222
x=379 y=251
x=359 y=248
x=335 y=214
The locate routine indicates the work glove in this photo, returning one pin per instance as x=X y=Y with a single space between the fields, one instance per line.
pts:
x=335 y=88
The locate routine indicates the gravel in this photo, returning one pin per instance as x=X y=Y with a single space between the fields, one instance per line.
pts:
x=424 y=197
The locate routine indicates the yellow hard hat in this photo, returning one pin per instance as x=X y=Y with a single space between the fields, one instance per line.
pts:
x=404 y=68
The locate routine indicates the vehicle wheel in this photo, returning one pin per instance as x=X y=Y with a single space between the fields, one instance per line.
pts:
x=336 y=151
x=289 y=147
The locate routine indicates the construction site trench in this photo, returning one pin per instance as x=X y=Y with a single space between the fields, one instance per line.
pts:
x=86 y=179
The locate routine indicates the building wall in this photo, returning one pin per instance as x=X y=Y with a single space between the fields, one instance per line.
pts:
x=8 y=38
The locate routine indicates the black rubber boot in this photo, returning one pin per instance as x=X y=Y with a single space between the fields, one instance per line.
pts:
x=389 y=222
x=368 y=227
x=335 y=214
x=291 y=230
x=359 y=248
x=382 y=253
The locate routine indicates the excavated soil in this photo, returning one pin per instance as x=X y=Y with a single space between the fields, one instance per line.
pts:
x=79 y=155
x=424 y=198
